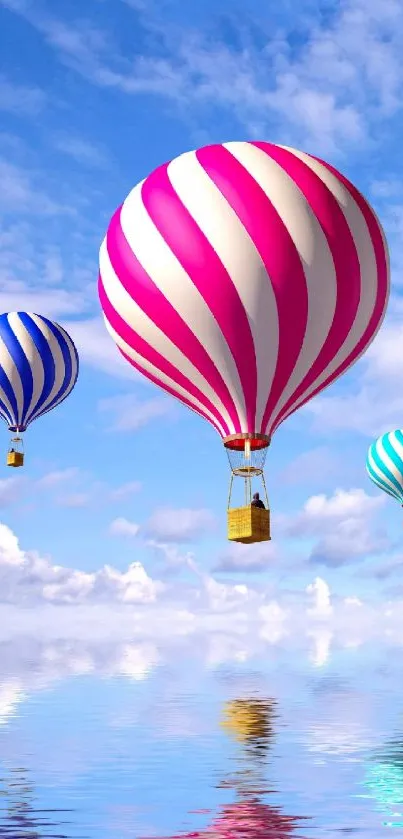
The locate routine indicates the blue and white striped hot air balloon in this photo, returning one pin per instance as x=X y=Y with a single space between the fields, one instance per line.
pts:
x=385 y=463
x=38 y=369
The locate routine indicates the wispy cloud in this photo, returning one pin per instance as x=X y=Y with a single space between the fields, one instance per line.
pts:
x=312 y=465
x=57 y=477
x=35 y=275
x=20 y=99
x=75 y=500
x=11 y=490
x=65 y=487
x=179 y=525
x=20 y=193
x=130 y=413
x=81 y=150
x=96 y=348
x=53 y=303
x=346 y=73
x=125 y=491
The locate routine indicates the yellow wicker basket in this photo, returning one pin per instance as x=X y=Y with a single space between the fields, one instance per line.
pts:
x=15 y=459
x=248 y=524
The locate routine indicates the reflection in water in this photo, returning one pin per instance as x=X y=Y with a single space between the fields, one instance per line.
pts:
x=19 y=819
x=251 y=723
x=247 y=820
x=134 y=756
x=384 y=781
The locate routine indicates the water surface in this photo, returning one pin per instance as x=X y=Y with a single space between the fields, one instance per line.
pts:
x=131 y=740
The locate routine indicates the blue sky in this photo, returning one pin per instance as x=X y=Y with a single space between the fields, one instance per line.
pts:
x=93 y=96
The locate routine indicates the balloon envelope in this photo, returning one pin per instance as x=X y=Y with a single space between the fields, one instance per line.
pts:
x=244 y=278
x=38 y=367
x=385 y=463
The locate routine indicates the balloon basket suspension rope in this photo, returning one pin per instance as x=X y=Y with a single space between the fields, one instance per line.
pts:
x=15 y=454
x=247 y=454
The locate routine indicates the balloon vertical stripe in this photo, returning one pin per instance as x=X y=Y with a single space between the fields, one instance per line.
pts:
x=43 y=365
x=200 y=261
x=9 y=405
x=378 y=310
x=65 y=371
x=129 y=338
x=344 y=254
x=161 y=312
x=375 y=473
x=283 y=265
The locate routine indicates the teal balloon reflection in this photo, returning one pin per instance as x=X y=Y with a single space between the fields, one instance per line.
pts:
x=384 y=783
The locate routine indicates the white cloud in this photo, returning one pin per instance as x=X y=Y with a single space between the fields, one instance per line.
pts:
x=320 y=510
x=243 y=558
x=172 y=556
x=179 y=525
x=353 y=540
x=123 y=527
x=128 y=610
x=10 y=553
x=28 y=578
x=342 y=525
x=223 y=597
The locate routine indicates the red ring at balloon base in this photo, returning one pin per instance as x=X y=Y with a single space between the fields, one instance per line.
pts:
x=236 y=442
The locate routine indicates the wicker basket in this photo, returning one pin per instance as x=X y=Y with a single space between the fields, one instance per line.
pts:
x=248 y=524
x=15 y=459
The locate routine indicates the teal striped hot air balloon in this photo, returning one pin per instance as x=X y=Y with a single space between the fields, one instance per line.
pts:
x=385 y=463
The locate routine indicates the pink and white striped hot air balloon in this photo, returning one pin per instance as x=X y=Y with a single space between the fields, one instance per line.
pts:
x=244 y=278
